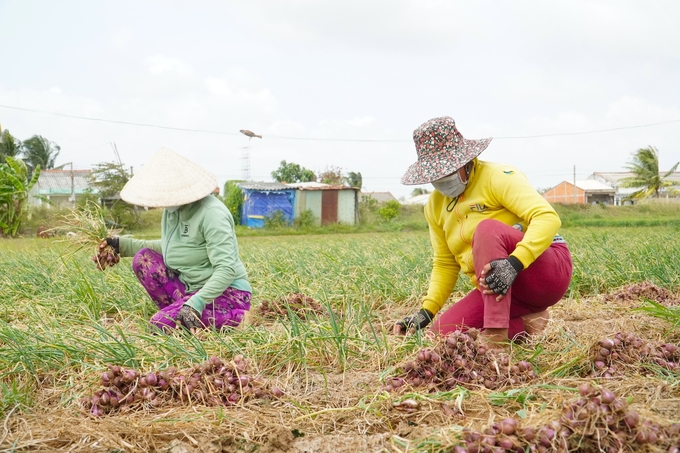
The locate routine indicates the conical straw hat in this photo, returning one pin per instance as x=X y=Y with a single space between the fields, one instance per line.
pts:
x=168 y=179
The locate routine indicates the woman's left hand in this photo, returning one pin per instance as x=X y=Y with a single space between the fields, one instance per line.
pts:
x=483 y=285
x=189 y=318
x=498 y=275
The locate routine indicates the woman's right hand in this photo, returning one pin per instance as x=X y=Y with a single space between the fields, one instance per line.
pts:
x=108 y=253
x=114 y=243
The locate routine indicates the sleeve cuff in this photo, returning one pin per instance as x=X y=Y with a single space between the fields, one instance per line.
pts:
x=197 y=303
x=430 y=307
x=515 y=263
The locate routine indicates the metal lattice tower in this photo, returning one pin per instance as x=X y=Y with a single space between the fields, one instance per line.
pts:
x=245 y=165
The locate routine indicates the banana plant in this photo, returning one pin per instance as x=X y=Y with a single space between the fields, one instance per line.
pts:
x=14 y=188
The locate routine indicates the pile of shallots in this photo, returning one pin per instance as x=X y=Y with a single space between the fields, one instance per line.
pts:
x=598 y=421
x=213 y=383
x=296 y=303
x=461 y=360
x=611 y=355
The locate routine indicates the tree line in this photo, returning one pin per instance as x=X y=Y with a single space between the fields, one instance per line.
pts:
x=22 y=161
x=20 y=164
x=291 y=173
x=36 y=152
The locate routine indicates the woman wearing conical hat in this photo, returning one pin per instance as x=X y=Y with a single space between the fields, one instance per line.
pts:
x=488 y=222
x=193 y=273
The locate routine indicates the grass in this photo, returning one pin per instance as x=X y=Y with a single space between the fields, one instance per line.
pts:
x=62 y=322
x=650 y=214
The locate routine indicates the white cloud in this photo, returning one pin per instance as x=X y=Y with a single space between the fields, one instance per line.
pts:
x=159 y=64
x=121 y=38
x=630 y=111
x=348 y=69
x=218 y=87
x=342 y=123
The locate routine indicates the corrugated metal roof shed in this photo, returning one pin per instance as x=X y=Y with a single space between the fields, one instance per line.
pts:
x=592 y=185
x=418 y=199
x=258 y=185
x=319 y=186
x=59 y=182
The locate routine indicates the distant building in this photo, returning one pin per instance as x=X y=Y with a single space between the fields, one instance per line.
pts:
x=583 y=192
x=263 y=199
x=418 y=199
x=613 y=179
x=328 y=203
x=61 y=187
x=380 y=197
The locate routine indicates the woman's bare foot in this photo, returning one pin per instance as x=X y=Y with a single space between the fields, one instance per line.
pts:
x=536 y=322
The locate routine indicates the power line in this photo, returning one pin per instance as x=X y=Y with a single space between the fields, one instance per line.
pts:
x=280 y=137
x=590 y=132
x=128 y=123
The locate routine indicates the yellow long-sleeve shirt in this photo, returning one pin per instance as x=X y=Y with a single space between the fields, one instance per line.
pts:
x=494 y=191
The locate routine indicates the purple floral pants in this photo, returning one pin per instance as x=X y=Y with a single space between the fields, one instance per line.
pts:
x=169 y=294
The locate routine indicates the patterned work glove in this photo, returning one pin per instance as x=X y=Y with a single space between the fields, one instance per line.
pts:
x=417 y=321
x=189 y=318
x=503 y=273
x=114 y=243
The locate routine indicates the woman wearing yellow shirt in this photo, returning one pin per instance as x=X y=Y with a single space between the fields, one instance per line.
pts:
x=488 y=222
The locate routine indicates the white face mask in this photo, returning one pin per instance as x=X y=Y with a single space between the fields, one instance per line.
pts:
x=451 y=185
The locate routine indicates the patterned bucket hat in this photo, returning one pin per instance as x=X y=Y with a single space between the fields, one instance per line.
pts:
x=441 y=150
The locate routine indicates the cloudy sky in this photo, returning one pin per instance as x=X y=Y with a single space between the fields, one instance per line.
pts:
x=343 y=83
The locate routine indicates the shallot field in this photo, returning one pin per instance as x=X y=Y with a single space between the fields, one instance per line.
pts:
x=315 y=367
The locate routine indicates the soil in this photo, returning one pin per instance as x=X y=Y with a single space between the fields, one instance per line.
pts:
x=350 y=412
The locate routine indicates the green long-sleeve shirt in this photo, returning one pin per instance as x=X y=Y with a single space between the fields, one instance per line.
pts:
x=198 y=242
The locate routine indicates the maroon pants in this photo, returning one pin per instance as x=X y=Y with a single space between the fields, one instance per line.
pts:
x=536 y=288
x=169 y=294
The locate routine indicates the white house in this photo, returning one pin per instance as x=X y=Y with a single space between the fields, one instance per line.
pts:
x=612 y=179
x=418 y=199
x=61 y=187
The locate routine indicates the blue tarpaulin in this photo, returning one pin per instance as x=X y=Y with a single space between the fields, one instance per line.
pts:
x=259 y=204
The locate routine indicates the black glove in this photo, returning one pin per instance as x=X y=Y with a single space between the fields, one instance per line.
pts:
x=114 y=243
x=189 y=317
x=503 y=272
x=418 y=321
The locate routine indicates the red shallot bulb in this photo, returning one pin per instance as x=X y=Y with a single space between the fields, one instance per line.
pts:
x=607 y=396
x=509 y=426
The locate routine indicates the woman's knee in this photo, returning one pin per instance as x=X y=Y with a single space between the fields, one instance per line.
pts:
x=487 y=227
x=162 y=321
x=145 y=258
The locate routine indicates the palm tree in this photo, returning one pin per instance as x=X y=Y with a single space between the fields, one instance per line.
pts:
x=39 y=151
x=646 y=175
x=354 y=179
x=9 y=146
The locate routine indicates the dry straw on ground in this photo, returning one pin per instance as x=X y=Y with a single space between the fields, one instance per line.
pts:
x=351 y=412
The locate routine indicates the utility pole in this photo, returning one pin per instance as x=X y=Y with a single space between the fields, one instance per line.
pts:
x=73 y=187
x=72 y=198
x=574 y=183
